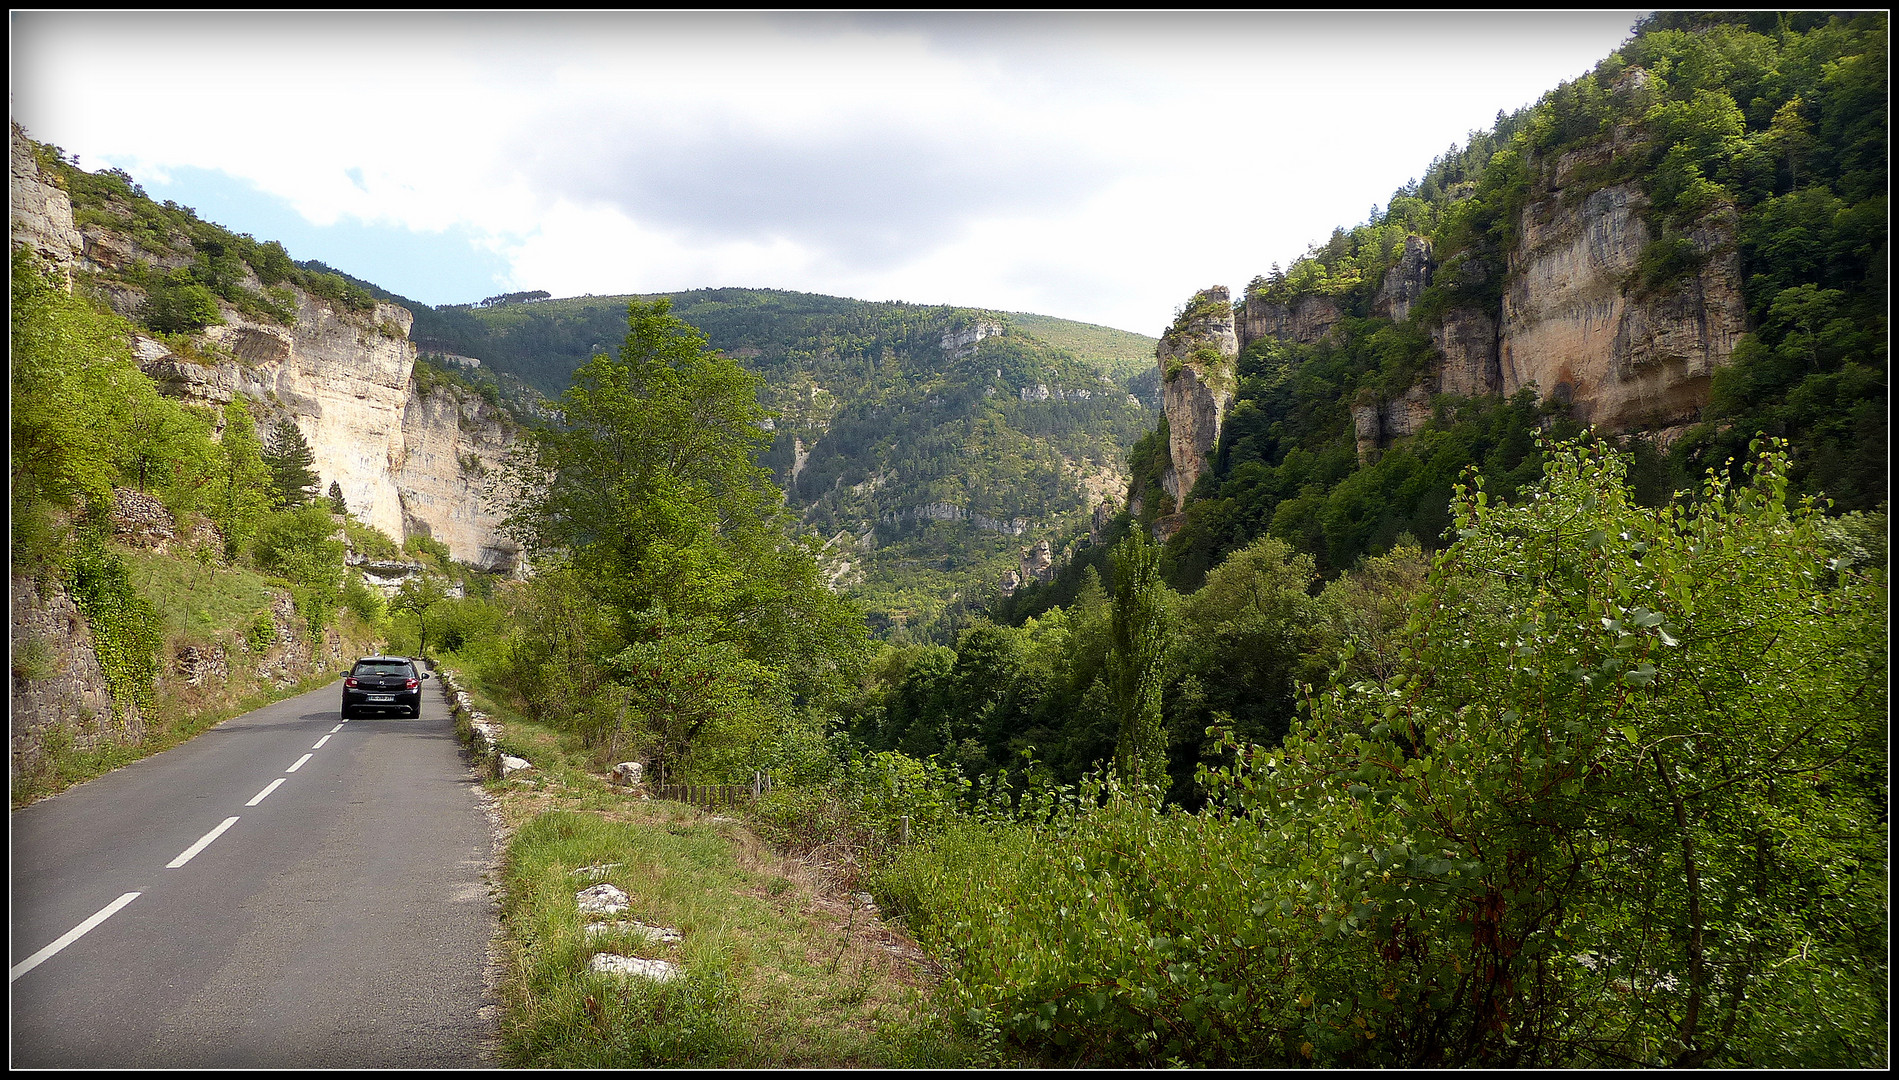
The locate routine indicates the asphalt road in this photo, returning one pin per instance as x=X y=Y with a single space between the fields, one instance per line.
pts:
x=342 y=919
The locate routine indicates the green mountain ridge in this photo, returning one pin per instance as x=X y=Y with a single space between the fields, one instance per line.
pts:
x=930 y=443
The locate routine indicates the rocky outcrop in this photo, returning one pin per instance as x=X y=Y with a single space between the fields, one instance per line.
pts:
x=961 y=341
x=1198 y=380
x=42 y=214
x=60 y=696
x=406 y=463
x=1467 y=338
x=1405 y=282
x=1575 y=325
x=1038 y=564
x=952 y=512
x=1307 y=320
x=453 y=448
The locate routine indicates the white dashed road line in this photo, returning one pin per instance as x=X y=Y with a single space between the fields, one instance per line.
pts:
x=184 y=857
x=81 y=930
x=203 y=842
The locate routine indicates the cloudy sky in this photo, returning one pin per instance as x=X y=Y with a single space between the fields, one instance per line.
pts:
x=1094 y=167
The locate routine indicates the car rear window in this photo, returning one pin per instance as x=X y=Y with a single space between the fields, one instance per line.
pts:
x=384 y=667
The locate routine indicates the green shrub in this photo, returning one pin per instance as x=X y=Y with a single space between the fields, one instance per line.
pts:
x=366 y=602
x=180 y=309
x=125 y=627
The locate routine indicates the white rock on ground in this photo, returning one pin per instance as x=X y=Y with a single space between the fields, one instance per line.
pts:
x=512 y=764
x=597 y=871
x=601 y=899
x=659 y=935
x=615 y=964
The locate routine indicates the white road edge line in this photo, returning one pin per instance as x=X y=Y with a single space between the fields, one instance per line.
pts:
x=203 y=842
x=268 y=788
x=72 y=935
x=321 y=741
x=300 y=761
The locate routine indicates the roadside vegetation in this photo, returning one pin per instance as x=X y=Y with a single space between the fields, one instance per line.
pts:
x=1513 y=747
x=1597 y=784
x=225 y=588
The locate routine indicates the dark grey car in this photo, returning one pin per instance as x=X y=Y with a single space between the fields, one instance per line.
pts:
x=383 y=682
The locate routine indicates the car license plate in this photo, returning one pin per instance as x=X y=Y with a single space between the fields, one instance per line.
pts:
x=381 y=697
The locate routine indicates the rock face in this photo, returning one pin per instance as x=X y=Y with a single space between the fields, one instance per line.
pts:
x=1307 y=320
x=1574 y=323
x=42 y=214
x=453 y=446
x=1197 y=366
x=405 y=464
x=952 y=512
x=1405 y=282
x=60 y=695
x=1573 y=326
x=58 y=684
x=1468 y=340
x=960 y=341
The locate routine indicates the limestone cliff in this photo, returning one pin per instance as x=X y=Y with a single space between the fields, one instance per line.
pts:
x=406 y=463
x=1307 y=320
x=453 y=445
x=1574 y=326
x=42 y=215
x=1196 y=358
x=1574 y=321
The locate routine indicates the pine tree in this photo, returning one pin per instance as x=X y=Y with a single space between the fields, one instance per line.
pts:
x=337 y=505
x=1137 y=630
x=290 y=459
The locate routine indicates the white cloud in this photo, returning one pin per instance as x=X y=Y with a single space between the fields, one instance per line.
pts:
x=1096 y=167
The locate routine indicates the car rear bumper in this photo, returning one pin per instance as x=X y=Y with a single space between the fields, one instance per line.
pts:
x=368 y=699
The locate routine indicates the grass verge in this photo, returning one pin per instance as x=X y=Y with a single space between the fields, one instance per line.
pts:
x=778 y=967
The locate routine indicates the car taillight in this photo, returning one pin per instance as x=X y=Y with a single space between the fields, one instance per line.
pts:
x=412 y=684
x=350 y=682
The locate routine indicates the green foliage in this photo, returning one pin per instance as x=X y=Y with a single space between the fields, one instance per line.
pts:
x=1586 y=776
x=367 y=603
x=650 y=487
x=1580 y=812
x=1137 y=648
x=240 y=494
x=300 y=545
x=289 y=458
x=172 y=308
x=416 y=596
x=1767 y=121
x=70 y=375
x=367 y=540
x=125 y=628
x=878 y=425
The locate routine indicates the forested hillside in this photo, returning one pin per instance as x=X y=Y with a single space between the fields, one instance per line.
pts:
x=1739 y=154
x=1496 y=674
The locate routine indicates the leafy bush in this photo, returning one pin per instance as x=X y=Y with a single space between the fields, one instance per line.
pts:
x=1619 y=801
x=300 y=546
x=125 y=627
x=180 y=309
